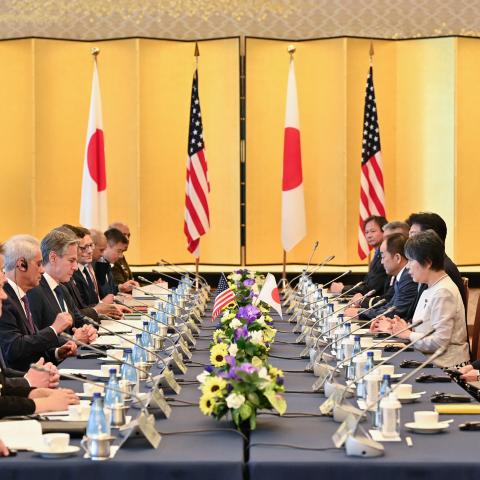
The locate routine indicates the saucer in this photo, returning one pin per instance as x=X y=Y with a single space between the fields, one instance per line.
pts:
x=439 y=427
x=413 y=397
x=69 y=451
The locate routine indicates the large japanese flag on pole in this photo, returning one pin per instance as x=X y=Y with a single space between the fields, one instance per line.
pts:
x=269 y=294
x=294 y=226
x=93 y=204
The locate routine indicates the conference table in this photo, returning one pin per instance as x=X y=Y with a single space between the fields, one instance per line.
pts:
x=197 y=447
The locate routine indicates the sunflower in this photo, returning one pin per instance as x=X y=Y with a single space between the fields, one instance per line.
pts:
x=207 y=404
x=217 y=355
x=213 y=386
x=218 y=334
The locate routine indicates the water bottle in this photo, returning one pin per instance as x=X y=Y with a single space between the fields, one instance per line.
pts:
x=385 y=388
x=139 y=355
x=127 y=371
x=369 y=364
x=97 y=423
x=147 y=342
x=350 y=374
x=112 y=395
x=390 y=416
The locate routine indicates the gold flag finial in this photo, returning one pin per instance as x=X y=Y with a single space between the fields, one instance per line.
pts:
x=372 y=51
x=291 y=50
x=95 y=52
x=197 y=51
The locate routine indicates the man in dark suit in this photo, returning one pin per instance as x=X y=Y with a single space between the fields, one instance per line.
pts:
x=22 y=343
x=117 y=243
x=419 y=222
x=376 y=277
x=405 y=289
x=51 y=297
x=121 y=269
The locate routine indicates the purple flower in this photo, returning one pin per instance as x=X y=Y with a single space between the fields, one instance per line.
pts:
x=247 y=368
x=248 y=282
x=229 y=387
x=241 y=333
x=249 y=313
x=279 y=381
x=230 y=360
x=209 y=368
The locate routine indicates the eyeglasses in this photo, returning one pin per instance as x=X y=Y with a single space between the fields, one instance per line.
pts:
x=90 y=246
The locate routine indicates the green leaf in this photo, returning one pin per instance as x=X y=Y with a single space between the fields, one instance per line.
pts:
x=245 y=411
x=253 y=420
x=277 y=401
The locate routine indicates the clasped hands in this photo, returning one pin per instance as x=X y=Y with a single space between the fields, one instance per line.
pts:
x=395 y=325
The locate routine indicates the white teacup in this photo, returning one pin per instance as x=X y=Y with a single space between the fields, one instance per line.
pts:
x=387 y=369
x=105 y=369
x=56 y=442
x=425 y=418
x=79 y=412
x=116 y=353
x=89 y=389
x=404 y=390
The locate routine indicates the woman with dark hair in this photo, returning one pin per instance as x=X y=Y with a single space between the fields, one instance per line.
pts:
x=440 y=305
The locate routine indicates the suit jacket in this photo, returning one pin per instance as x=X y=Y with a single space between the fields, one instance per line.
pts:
x=45 y=308
x=78 y=301
x=405 y=293
x=103 y=272
x=89 y=295
x=121 y=271
x=13 y=400
x=388 y=290
x=375 y=279
x=13 y=378
x=19 y=346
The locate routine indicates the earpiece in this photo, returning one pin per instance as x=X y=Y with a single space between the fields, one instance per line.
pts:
x=23 y=265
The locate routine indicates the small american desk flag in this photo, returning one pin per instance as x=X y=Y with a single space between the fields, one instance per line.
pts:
x=223 y=296
x=372 y=195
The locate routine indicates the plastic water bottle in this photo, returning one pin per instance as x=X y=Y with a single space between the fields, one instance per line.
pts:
x=147 y=342
x=369 y=364
x=112 y=395
x=127 y=371
x=385 y=388
x=97 y=423
x=139 y=355
x=350 y=374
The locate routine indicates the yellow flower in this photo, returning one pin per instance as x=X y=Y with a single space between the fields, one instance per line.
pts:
x=214 y=386
x=217 y=334
x=206 y=404
x=217 y=355
x=275 y=372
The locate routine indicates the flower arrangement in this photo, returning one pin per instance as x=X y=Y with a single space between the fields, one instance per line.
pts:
x=240 y=380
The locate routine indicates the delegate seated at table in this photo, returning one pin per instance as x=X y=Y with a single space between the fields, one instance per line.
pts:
x=440 y=305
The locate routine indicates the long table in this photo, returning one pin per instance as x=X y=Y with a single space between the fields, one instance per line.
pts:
x=222 y=454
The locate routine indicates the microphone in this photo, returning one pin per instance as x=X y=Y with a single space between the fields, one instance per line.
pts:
x=97 y=350
x=177 y=269
x=131 y=342
x=179 y=280
x=361 y=446
x=169 y=290
x=328 y=283
x=319 y=265
x=80 y=379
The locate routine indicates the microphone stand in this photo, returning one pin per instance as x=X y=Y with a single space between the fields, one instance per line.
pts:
x=179 y=270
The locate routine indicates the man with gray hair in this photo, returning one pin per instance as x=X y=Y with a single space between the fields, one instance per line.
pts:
x=22 y=342
x=59 y=257
x=396 y=227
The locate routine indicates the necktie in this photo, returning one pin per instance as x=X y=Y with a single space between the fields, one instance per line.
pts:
x=88 y=277
x=31 y=325
x=61 y=298
x=92 y=276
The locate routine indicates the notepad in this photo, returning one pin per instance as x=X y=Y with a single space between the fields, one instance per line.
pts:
x=22 y=434
x=458 y=409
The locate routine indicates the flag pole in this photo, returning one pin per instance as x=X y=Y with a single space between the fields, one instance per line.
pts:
x=197 y=259
x=371 y=53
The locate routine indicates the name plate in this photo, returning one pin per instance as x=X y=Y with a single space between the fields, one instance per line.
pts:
x=178 y=361
x=144 y=426
x=329 y=404
x=346 y=428
x=157 y=400
x=184 y=347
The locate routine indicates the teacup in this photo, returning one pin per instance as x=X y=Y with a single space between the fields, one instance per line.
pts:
x=387 y=369
x=56 y=442
x=105 y=369
x=116 y=353
x=426 y=418
x=90 y=388
x=403 y=390
x=79 y=412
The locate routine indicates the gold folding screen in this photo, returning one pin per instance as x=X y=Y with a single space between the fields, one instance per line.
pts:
x=145 y=84
x=428 y=98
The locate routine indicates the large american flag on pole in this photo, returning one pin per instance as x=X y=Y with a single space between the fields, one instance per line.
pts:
x=372 y=194
x=223 y=296
x=197 y=217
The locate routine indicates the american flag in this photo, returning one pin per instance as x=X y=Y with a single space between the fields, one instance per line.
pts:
x=223 y=296
x=197 y=217
x=372 y=194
